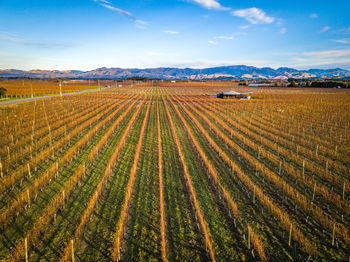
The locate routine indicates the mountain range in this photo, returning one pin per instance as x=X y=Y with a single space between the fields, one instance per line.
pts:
x=223 y=72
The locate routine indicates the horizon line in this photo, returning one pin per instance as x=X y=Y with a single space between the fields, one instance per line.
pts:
x=175 y=67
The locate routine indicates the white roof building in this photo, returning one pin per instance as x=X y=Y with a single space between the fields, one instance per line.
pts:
x=234 y=94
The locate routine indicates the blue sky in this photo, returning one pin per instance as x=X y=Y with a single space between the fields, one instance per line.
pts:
x=87 y=34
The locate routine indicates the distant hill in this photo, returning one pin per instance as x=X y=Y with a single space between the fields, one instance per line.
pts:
x=222 y=72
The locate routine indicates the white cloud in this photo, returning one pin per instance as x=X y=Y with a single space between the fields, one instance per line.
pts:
x=314 y=16
x=119 y=11
x=342 y=41
x=241 y=33
x=299 y=59
x=223 y=37
x=212 y=42
x=28 y=62
x=325 y=63
x=214 y=63
x=321 y=59
x=171 y=32
x=283 y=30
x=345 y=30
x=11 y=38
x=40 y=44
x=104 y=1
x=244 y=27
x=254 y=15
x=328 y=53
x=210 y=4
x=325 y=29
x=141 y=24
x=108 y=5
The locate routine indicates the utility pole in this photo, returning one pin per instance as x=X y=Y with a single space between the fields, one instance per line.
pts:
x=31 y=89
x=60 y=87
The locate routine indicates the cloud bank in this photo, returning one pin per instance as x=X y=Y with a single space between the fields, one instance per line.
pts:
x=328 y=53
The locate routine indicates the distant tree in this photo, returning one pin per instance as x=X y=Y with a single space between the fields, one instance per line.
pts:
x=330 y=84
x=293 y=83
x=3 y=92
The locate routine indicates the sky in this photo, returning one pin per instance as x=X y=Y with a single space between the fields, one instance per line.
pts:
x=89 y=34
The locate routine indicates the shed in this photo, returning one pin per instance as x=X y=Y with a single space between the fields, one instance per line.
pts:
x=234 y=94
x=260 y=85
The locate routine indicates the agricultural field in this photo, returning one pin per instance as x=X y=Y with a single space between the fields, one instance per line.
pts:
x=169 y=173
x=18 y=88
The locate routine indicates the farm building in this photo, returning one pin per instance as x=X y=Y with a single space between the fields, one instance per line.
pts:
x=260 y=85
x=234 y=94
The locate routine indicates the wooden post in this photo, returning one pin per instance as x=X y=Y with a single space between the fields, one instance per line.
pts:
x=26 y=249
x=254 y=195
x=50 y=136
x=72 y=242
x=63 y=196
x=29 y=173
x=248 y=237
x=290 y=234
x=28 y=197
x=60 y=87
x=31 y=90
x=343 y=190
x=280 y=168
x=333 y=234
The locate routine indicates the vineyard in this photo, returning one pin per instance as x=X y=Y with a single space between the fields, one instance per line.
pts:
x=18 y=88
x=166 y=172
